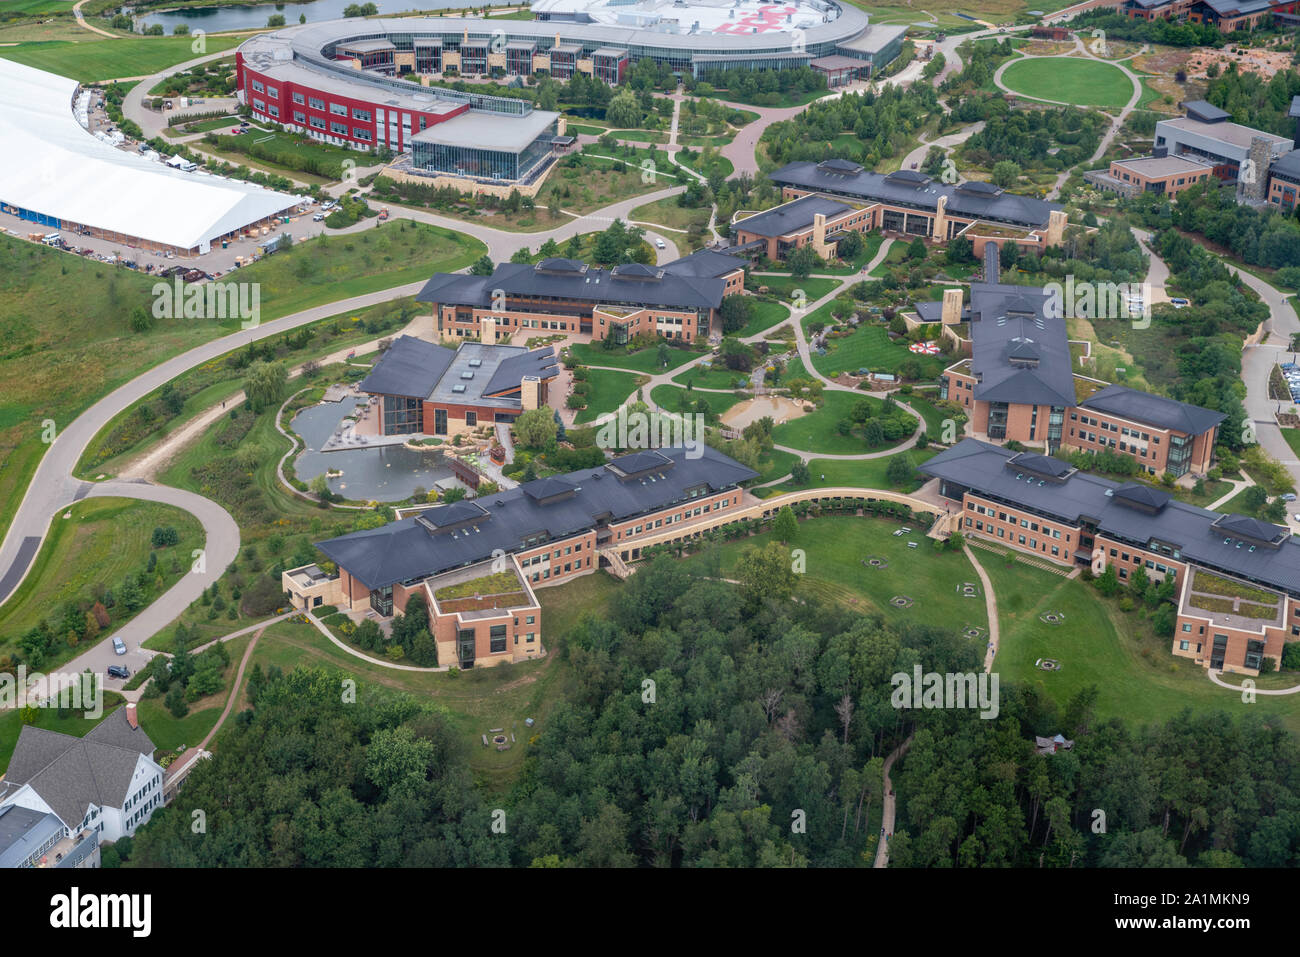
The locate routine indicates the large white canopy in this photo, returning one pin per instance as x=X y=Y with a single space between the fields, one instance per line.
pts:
x=50 y=164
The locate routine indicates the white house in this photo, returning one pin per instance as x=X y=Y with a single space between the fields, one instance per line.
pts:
x=107 y=781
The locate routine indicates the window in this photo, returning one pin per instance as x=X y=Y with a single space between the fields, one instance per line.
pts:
x=273 y=92
x=363 y=115
x=299 y=99
x=497 y=639
x=471 y=419
x=338 y=109
x=340 y=128
x=315 y=104
x=299 y=118
x=1183 y=645
x=257 y=87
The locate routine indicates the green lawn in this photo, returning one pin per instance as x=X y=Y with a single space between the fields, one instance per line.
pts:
x=784 y=286
x=168 y=732
x=667 y=212
x=103 y=541
x=1137 y=677
x=836 y=548
x=1292 y=437
x=863 y=473
x=70 y=350
x=774 y=464
x=643 y=360
x=48 y=718
x=1074 y=80
x=869 y=347
x=609 y=390
x=816 y=431
x=669 y=398
x=99 y=58
x=716 y=376
x=767 y=314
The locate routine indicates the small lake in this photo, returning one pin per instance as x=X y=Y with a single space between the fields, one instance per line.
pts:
x=385 y=473
x=247 y=17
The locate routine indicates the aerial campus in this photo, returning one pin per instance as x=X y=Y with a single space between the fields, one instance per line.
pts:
x=714 y=433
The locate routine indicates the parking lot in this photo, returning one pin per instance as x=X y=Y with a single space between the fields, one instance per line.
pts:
x=1292 y=373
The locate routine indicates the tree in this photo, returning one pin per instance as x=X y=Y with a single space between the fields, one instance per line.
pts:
x=916 y=249
x=536 y=428
x=1005 y=173
x=624 y=110
x=265 y=384
x=766 y=573
x=482 y=266
x=785 y=527
x=736 y=312
x=1108 y=582
x=799 y=473
x=802 y=261
x=899 y=471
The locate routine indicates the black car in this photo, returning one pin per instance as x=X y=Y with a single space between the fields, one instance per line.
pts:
x=118 y=671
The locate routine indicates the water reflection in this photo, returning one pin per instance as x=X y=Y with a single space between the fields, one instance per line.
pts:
x=385 y=474
x=244 y=17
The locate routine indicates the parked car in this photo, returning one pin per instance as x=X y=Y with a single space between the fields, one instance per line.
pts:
x=119 y=646
x=1179 y=303
x=119 y=671
x=318 y=218
x=659 y=244
x=1289 y=497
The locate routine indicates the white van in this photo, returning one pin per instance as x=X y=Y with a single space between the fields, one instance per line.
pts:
x=659 y=244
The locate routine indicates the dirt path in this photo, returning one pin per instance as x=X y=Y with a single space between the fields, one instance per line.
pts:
x=890 y=807
x=234 y=691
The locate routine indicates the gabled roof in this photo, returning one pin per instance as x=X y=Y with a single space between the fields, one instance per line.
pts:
x=705 y=263
x=435 y=541
x=1153 y=410
x=70 y=773
x=1205 y=111
x=409 y=367
x=1019 y=353
x=1235 y=544
x=1142 y=496
x=560 y=279
x=510 y=373
x=792 y=217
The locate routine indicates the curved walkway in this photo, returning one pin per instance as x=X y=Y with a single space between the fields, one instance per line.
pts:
x=1214 y=676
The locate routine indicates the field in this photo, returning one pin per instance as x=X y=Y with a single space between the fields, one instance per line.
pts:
x=816 y=432
x=643 y=360
x=666 y=212
x=103 y=541
x=609 y=390
x=1069 y=80
x=98 y=58
x=71 y=350
x=862 y=473
x=1137 y=677
x=836 y=548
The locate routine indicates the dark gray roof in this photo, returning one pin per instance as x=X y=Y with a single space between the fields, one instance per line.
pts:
x=917 y=191
x=705 y=263
x=409 y=367
x=1019 y=353
x=553 y=277
x=792 y=217
x=432 y=542
x=71 y=773
x=1236 y=545
x=1204 y=111
x=510 y=373
x=23 y=832
x=1295 y=107
x=1288 y=164
x=1155 y=410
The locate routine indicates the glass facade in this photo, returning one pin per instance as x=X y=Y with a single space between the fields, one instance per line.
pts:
x=403 y=415
x=483 y=163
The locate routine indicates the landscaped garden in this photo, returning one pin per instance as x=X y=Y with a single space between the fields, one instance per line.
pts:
x=843 y=425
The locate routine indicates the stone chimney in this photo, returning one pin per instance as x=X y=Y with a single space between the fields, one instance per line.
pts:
x=530 y=392
x=487 y=329
x=939 y=228
x=952 y=300
x=1056 y=227
x=131 y=717
x=1252 y=179
x=819 y=230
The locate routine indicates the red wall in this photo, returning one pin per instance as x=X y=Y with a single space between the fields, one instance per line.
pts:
x=284 y=101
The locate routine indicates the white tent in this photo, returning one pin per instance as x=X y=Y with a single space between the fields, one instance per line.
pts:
x=50 y=164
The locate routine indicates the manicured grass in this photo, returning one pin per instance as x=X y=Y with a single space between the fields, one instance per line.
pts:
x=861 y=473
x=1136 y=675
x=766 y=315
x=934 y=419
x=1074 y=80
x=717 y=376
x=774 y=464
x=206 y=126
x=869 y=347
x=75 y=723
x=669 y=398
x=784 y=286
x=295 y=153
x=609 y=390
x=169 y=733
x=105 y=540
x=99 y=58
x=816 y=431
x=836 y=548
x=870 y=247
x=70 y=350
x=643 y=360
x=1292 y=437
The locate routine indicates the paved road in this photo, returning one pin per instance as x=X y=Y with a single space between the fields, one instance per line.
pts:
x=1256 y=364
x=889 y=806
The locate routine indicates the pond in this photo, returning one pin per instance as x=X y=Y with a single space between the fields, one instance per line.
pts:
x=384 y=473
x=254 y=16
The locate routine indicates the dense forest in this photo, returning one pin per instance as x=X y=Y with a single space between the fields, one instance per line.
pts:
x=863 y=127
x=710 y=724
